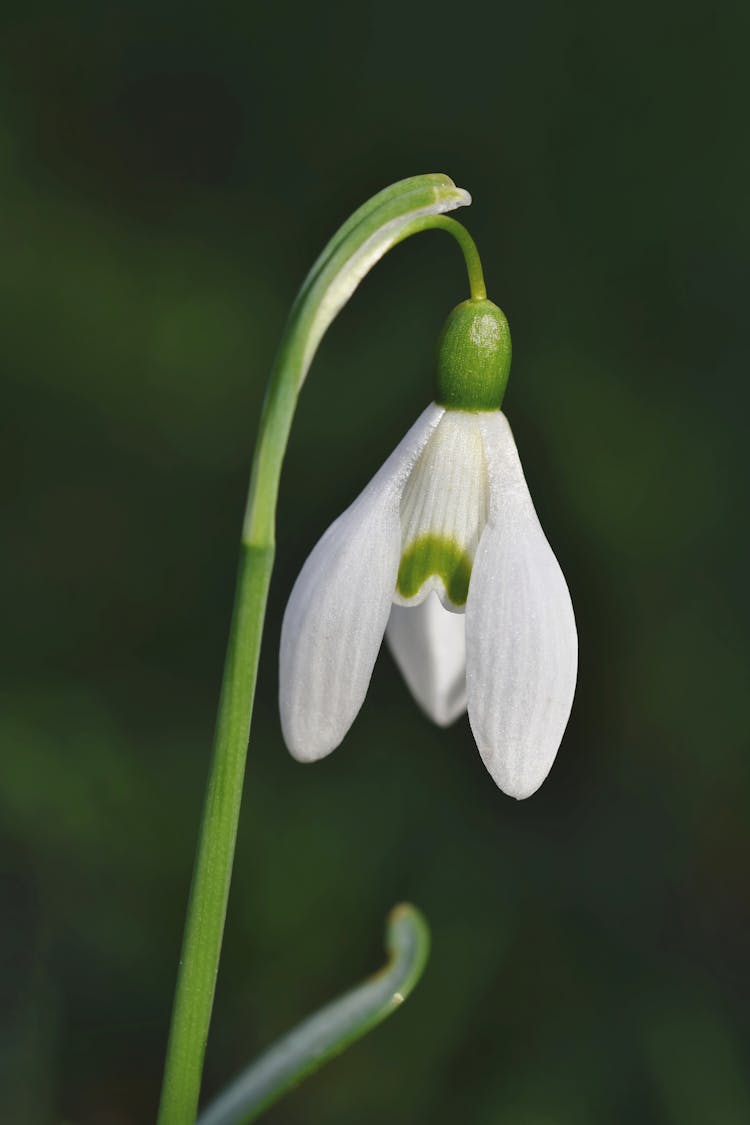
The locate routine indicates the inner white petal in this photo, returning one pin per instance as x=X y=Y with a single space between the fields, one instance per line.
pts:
x=444 y=509
x=429 y=646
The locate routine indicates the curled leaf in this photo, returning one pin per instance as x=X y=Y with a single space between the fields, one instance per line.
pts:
x=331 y=1029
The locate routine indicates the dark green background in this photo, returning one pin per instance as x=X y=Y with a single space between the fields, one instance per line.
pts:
x=168 y=174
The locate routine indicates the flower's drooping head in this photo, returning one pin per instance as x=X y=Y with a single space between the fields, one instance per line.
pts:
x=444 y=554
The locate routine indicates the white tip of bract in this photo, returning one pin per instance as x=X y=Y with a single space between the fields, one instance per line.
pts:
x=522 y=654
x=462 y=199
x=336 y=616
x=429 y=646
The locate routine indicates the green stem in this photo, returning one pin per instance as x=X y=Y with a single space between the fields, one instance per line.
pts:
x=206 y=911
x=301 y=341
x=471 y=254
x=402 y=210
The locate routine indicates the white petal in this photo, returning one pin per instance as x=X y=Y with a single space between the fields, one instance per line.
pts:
x=522 y=646
x=429 y=646
x=444 y=504
x=336 y=616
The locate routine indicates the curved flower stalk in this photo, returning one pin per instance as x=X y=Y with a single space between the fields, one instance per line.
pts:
x=394 y=214
x=331 y=1029
x=444 y=555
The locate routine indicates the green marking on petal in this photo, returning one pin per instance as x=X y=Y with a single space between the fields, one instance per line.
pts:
x=435 y=554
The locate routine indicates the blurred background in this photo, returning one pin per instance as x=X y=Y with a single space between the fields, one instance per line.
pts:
x=169 y=172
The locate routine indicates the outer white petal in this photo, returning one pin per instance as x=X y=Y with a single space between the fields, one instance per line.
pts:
x=429 y=646
x=522 y=646
x=336 y=616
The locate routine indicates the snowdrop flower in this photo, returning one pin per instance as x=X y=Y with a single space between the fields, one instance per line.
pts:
x=444 y=555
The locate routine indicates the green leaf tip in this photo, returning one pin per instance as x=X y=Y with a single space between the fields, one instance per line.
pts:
x=408 y=944
x=332 y=1028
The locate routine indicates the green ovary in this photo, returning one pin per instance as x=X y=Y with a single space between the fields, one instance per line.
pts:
x=435 y=554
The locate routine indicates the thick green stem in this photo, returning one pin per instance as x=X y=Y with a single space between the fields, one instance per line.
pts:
x=213 y=865
x=394 y=214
